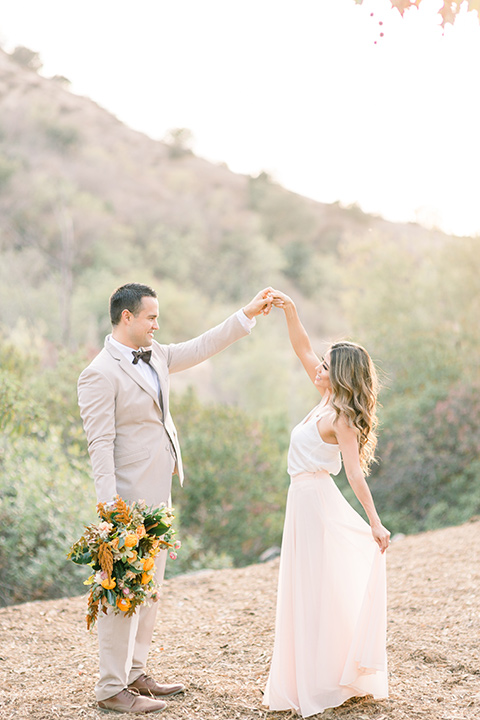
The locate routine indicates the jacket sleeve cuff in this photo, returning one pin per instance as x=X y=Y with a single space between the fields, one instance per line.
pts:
x=245 y=322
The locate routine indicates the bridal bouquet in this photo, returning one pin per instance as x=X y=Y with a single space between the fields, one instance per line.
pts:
x=121 y=550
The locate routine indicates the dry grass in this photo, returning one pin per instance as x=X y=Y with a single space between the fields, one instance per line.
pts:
x=215 y=634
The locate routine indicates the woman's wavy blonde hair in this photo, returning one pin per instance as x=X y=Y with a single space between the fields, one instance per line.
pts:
x=354 y=394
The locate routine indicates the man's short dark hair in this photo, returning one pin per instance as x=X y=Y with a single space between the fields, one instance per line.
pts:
x=128 y=297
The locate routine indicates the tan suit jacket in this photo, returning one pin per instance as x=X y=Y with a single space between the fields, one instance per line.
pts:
x=132 y=440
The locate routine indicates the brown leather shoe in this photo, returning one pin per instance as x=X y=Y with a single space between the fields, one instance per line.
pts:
x=130 y=702
x=146 y=685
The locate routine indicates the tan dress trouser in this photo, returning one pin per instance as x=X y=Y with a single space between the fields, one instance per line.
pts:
x=124 y=643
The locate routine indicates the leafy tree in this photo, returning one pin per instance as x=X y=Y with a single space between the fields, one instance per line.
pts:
x=61 y=80
x=429 y=474
x=179 y=142
x=7 y=169
x=417 y=311
x=26 y=58
x=49 y=231
x=61 y=137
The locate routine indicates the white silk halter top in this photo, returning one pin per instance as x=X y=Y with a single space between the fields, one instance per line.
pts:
x=308 y=452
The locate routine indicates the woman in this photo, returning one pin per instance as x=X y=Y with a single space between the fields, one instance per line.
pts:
x=331 y=606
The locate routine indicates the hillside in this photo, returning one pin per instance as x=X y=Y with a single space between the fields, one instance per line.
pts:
x=216 y=637
x=87 y=203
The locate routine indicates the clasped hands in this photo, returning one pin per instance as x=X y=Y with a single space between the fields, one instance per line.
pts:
x=264 y=300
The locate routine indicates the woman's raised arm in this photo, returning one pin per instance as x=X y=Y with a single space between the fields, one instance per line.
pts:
x=297 y=333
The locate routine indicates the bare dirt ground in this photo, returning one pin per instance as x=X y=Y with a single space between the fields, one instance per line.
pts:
x=215 y=634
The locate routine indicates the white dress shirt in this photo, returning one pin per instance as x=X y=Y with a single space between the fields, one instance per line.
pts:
x=145 y=369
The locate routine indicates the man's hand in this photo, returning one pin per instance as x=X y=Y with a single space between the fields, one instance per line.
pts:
x=281 y=300
x=261 y=304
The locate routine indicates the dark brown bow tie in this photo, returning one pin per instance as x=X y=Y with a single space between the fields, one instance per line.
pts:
x=141 y=354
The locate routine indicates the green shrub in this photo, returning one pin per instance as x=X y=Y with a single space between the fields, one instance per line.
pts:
x=234 y=495
x=43 y=507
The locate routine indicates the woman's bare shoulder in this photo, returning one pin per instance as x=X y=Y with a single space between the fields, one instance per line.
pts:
x=344 y=428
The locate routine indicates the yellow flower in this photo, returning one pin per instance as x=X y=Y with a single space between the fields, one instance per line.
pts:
x=131 y=541
x=108 y=584
x=148 y=563
x=123 y=604
x=146 y=578
x=141 y=532
x=133 y=557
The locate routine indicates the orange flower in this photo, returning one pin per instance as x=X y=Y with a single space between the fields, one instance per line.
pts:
x=123 y=604
x=108 y=583
x=114 y=544
x=141 y=532
x=146 y=578
x=134 y=557
x=148 y=563
x=131 y=541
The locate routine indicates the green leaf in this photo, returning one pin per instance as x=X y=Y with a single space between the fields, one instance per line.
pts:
x=110 y=598
x=81 y=557
x=159 y=529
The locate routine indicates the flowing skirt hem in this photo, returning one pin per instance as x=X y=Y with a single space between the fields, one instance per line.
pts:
x=330 y=642
x=280 y=707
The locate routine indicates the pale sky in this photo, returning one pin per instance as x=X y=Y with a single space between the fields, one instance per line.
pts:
x=298 y=88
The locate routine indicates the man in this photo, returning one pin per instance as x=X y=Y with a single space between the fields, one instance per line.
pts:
x=124 y=403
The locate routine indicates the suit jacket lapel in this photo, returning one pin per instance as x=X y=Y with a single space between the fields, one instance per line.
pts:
x=132 y=373
x=156 y=367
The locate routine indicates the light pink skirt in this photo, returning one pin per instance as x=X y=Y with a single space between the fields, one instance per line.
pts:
x=330 y=632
